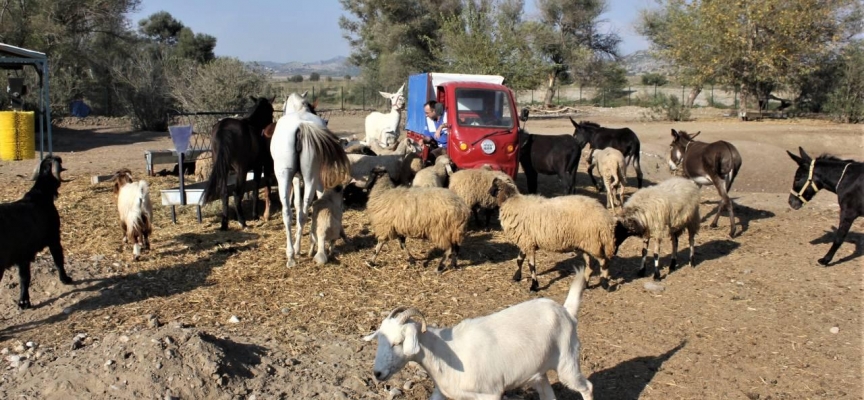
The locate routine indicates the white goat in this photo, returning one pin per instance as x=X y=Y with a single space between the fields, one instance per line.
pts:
x=384 y=128
x=611 y=164
x=135 y=209
x=480 y=358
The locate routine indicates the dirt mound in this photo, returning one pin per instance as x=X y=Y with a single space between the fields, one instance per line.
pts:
x=175 y=361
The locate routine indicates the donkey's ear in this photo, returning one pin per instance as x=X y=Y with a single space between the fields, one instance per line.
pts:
x=575 y=125
x=695 y=134
x=794 y=157
x=675 y=134
x=804 y=155
x=304 y=94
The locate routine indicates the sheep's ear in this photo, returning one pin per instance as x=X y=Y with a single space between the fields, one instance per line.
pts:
x=370 y=337
x=411 y=345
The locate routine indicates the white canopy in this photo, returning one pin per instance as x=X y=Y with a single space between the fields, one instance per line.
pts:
x=441 y=78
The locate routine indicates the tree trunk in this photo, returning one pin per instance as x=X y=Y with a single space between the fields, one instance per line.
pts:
x=694 y=93
x=550 y=90
x=742 y=100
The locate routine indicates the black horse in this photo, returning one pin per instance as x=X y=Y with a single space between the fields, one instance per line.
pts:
x=549 y=155
x=599 y=138
x=843 y=177
x=239 y=145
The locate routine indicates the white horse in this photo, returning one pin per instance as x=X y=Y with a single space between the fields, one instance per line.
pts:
x=302 y=144
x=383 y=129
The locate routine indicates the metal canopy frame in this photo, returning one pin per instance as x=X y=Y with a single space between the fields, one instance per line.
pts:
x=12 y=58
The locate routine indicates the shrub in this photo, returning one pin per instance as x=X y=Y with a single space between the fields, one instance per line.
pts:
x=668 y=108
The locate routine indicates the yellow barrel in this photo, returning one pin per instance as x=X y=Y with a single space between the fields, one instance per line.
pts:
x=17 y=135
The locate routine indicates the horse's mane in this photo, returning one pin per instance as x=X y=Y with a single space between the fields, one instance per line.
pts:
x=589 y=124
x=831 y=157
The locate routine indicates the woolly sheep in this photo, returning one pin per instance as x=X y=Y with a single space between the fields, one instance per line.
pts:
x=472 y=186
x=560 y=224
x=434 y=214
x=135 y=210
x=203 y=166
x=411 y=165
x=434 y=176
x=362 y=165
x=610 y=163
x=326 y=223
x=658 y=212
x=481 y=358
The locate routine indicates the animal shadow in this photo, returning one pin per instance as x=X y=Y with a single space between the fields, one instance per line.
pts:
x=627 y=269
x=238 y=358
x=743 y=214
x=479 y=248
x=627 y=380
x=852 y=237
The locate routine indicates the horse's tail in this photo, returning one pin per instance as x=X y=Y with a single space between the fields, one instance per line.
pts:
x=221 y=164
x=335 y=166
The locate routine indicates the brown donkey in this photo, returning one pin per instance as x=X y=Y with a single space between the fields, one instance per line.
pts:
x=714 y=163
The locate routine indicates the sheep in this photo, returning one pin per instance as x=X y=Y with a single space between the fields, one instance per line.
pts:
x=362 y=165
x=411 y=165
x=472 y=186
x=481 y=358
x=326 y=223
x=203 y=166
x=135 y=209
x=658 y=212
x=558 y=224
x=611 y=164
x=434 y=214
x=32 y=223
x=434 y=176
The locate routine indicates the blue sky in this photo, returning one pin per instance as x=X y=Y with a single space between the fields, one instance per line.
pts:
x=292 y=30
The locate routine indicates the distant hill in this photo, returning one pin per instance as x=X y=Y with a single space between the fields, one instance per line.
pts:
x=641 y=62
x=336 y=66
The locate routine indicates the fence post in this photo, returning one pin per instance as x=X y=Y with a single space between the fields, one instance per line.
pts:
x=313 y=92
x=735 y=99
x=580 y=93
x=712 y=94
x=532 y=96
x=603 y=103
x=629 y=92
x=363 y=90
x=559 y=95
x=682 y=93
x=342 y=96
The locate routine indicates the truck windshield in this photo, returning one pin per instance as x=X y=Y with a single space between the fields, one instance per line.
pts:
x=483 y=108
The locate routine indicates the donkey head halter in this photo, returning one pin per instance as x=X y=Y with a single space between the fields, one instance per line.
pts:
x=807 y=184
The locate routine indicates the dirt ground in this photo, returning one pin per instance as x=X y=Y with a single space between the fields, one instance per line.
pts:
x=209 y=314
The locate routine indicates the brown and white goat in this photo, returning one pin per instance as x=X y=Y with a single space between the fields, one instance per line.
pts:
x=136 y=210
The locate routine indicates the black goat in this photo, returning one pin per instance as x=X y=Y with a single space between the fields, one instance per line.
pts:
x=29 y=225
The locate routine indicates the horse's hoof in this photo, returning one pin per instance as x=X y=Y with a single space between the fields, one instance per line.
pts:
x=712 y=225
x=66 y=280
x=534 y=286
x=643 y=272
x=291 y=263
x=824 y=261
x=657 y=277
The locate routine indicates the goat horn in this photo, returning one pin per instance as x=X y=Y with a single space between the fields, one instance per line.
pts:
x=413 y=312
x=396 y=312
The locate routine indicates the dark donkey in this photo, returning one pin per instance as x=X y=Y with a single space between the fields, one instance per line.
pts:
x=707 y=163
x=843 y=177
x=549 y=155
x=239 y=145
x=599 y=138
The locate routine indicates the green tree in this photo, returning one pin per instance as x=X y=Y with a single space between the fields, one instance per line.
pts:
x=755 y=45
x=164 y=29
x=347 y=77
x=654 y=79
x=846 y=100
x=314 y=77
x=488 y=37
x=567 y=38
x=392 y=39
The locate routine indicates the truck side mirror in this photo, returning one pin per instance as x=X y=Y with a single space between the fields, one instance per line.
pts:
x=523 y=116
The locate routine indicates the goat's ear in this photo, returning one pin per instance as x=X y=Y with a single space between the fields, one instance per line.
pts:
x=411 y=345
x=795 y=158
x=385 y=94
x=370 y=337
